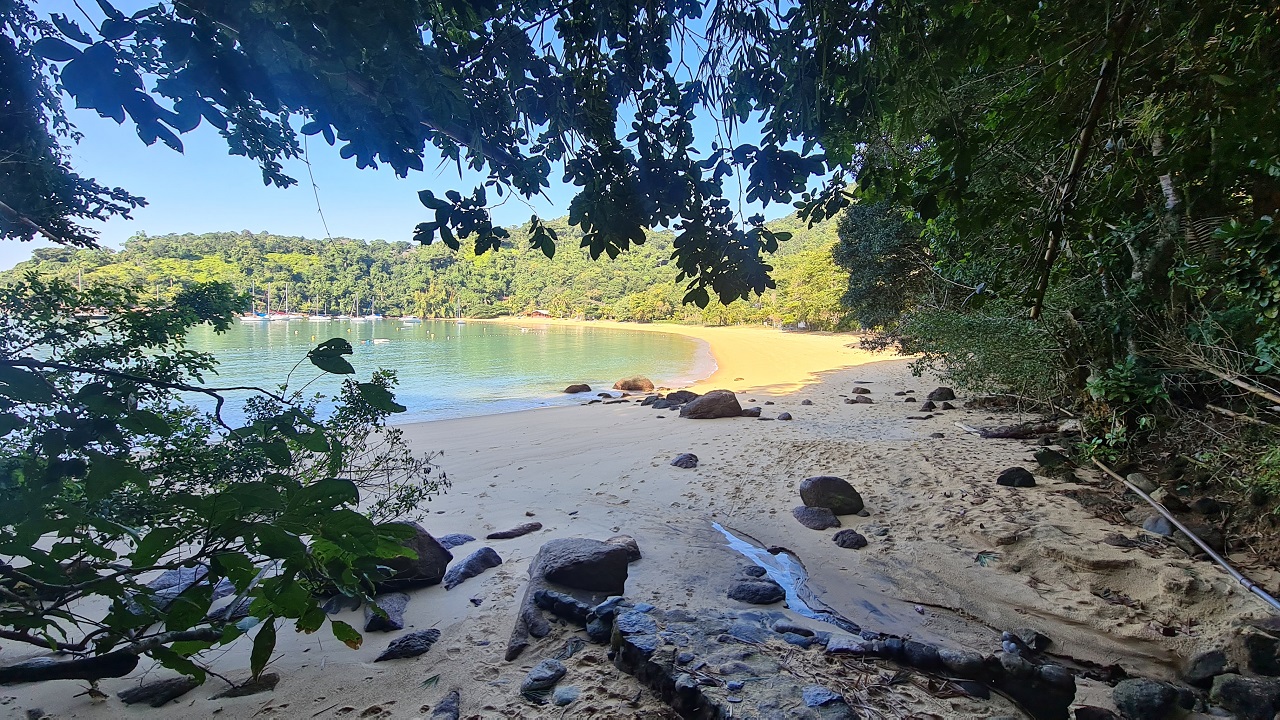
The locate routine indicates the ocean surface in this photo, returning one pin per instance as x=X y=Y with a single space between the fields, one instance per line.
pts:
x=448 y=370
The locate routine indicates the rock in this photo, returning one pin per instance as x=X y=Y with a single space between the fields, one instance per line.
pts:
x=584 y=564
x=942 y=393
x=1207 y=506
x=1261 y=652
x=543 y=676
x=785 y=626
x=1090 y=712
x=563 y=606
x=841 y=644
x=850 y=539
x=393 y=605
x=910 y=399
x=159 y=693
x=604 y=395
x=1158 y=525
x=715 y=404
x=921 y=655
x=1032 y=638
x=410 y=645
x=265 y=682
x=681 y=397
x=425 y=569
x=634 y=384
x=1050 y=458
x=649 y=400
x=449 y=707
x=1016 y=477
x=751 y=412
x=937 y=436
x=863 y=400
x=768 y=402
x=928 y=405
x=753 y=571
x=1141 y=482
x=1247 y=698
x=453 y=540
x=816 y=518
x=860 y=391
x=826 y=491
x=578 y=388
x=474 y=564
x=515 y=532
x=628 y=542
x=1211 y=535
x=784 y=416
x=663 y=404
x=634 y=622
x=962 y=663
x=948 y=406
x=806 y=401
x=1143 y=699
x=817 y=696
x=564 y=695
x=687 y=461
x=757 y=592
x=1203 y=667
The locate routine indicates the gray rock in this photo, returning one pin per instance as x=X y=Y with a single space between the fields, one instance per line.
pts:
x=817 y=696
x=1050 y=458
x=754 y=571
x=784 y=416
x=562 y=606
x=1032 y=638
x=806 y=402
x=426 y=568
x=1210 y=534
x=649 y=400
x=392 y=605
x=830 y=492
x=1204 y=666
x=1016 y=477
x=751 y=412
x=471 y=566
x=850 y=539
x=1142 y=482
x=786 y=626
x=663 y=404
x=543 y=676
x=688 y=461
x=942 y=393
x=1261 y=651
x=635 y=623
x=681 y=397
x=453 y=540
x=449 y=707
x=1143 y=699
x=628 y=542
x=715 y=404
x=634 y=384
x=159 y=693
x=860 y=391
x=860 y=400
x=410 y=645
x=1158 y=525
x=948 y=406
x=515 y=532
x=962 y=663
x=921 y=655
x=928 y=405
x=1247 y=698
x=564 y=695
x=816 y=518
x=578 y=388
x=584 y=564
x=757 y=592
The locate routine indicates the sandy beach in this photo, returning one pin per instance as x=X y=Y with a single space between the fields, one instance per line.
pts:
x=952 y=557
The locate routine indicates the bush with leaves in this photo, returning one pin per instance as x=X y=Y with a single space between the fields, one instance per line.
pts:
x=109 y=479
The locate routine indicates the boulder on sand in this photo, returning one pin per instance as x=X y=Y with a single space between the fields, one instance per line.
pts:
x=687 y=461
x=425 y=569
x=715 y=404
x=815 y=518
x=634 y=384
x=831 y=492
x=578 y=387
x=681 y=397
x=474 y=564
x=940 y=394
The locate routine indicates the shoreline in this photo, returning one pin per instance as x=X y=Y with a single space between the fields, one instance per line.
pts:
x=752 y=358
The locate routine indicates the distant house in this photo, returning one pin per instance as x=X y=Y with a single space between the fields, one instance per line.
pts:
x=538 y=314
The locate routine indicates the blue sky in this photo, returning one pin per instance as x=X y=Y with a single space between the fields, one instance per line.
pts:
x=204 y=189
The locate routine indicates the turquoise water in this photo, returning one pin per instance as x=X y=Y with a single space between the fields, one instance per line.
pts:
x=447 y=370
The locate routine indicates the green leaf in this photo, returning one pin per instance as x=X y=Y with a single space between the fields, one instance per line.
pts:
x=346 y=634
x=311 y=620
x=278 y=452
x=146 y=422
x=108 y=474
x=380 y=397
x=24 y=386
x=326 y=495
x=174 y=661
x=263 y=645
x=189 y=608
x=236 y=567
x=54 y=49
x=154 y=545
x=328 y=356
x=10 y=422
x=276 y=543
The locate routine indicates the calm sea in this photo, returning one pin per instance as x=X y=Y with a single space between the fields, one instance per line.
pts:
x=447 y=370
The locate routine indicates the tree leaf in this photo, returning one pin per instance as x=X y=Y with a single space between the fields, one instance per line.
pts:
x=54 y=49
x=380 y=398
x=108 y=474
x=263 y=645
x=346 y=634
x=154 y=545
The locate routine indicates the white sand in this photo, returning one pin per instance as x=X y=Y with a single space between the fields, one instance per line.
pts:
x=962 y=558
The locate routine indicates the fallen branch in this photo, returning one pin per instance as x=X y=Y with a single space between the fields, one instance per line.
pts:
x=1239 y=416
x=113 y=664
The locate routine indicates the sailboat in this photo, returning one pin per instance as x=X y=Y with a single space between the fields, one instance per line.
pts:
x=457 y=313
x=253 y=316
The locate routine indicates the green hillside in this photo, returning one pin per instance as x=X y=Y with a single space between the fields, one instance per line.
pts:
x=402 y=278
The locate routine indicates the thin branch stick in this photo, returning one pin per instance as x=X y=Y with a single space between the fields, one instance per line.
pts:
x=1239 y=416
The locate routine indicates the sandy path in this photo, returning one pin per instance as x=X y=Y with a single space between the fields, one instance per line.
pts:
x=952 y=557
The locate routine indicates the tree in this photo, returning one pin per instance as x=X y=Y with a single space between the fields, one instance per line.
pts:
x=108 y=478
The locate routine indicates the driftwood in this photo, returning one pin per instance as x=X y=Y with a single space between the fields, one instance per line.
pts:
x=1019 y=432
x=117 y=663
